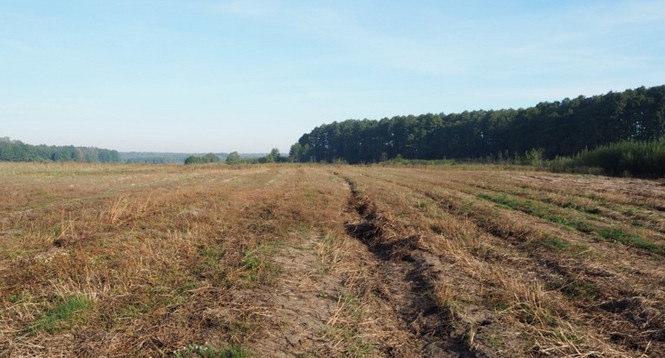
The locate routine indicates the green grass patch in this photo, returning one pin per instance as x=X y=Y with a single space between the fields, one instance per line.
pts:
x=257 y=266
x=531 y=208
x=503 y=200
x=62 y=315
x=209 y=263
x=578 y=225
x=581 y=290
x=611 y=234
x=422 y=205
x=573 y=205
x=555 y=243
x=631 y=240
x=251 y=263
x=210 y=351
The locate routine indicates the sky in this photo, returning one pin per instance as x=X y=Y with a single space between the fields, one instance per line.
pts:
x=218 y=76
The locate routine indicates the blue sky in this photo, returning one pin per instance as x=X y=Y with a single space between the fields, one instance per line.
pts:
x=200 y=76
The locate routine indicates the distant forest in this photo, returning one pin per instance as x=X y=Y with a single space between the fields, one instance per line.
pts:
x=157 y=157
x=561 y=128
x=17 y=151
x=163 y=158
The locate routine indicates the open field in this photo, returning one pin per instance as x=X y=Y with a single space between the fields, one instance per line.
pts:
x=282 y=260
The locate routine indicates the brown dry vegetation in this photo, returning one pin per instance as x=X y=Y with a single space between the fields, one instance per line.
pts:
x=284 y=260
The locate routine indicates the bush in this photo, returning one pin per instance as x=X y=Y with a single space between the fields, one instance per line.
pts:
x=233 y=158
x=273 y=157
x=208 y=158
x=534 y=157
x=627 y=158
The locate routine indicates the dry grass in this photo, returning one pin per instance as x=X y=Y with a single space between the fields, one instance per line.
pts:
x=279 y=260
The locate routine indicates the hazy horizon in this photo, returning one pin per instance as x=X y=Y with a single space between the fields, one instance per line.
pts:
x=247 y=76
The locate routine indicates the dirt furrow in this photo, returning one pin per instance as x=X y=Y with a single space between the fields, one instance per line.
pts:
x=410 y=274
x=614 y=308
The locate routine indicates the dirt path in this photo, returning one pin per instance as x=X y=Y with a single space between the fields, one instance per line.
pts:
x=302 y=303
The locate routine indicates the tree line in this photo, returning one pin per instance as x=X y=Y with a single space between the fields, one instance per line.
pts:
x=17 y=151
x=560 y=128
x=235 y=158
x=157 y=157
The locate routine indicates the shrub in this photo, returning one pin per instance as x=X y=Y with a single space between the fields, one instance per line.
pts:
x=208 y=158
x=233 y=158
x=534 y=157
x=627 y=158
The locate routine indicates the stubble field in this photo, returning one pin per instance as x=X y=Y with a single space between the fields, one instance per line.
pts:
x=313 y=260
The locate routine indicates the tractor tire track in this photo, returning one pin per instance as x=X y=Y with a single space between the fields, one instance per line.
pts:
x=410 y=272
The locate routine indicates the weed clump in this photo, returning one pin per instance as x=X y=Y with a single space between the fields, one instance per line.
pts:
x=631 y=240
x=62 y=315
